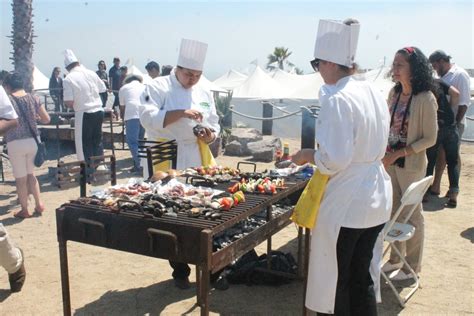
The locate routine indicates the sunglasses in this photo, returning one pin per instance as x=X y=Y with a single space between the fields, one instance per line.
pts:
x=315 y=64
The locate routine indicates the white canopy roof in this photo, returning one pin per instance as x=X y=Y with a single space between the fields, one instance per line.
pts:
x=380 y=78
x=40 y=81
x=230 y=80
x=210 y=85
x=259 y=85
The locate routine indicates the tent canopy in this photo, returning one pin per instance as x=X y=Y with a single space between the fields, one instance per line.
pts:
x=259 y=85
x=230 y=80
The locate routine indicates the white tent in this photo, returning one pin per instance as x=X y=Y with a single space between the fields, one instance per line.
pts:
x=40 y=82
x=380 y=78
x=304 y=87
x=259 y=85
x=230 y=80
x=207 y=84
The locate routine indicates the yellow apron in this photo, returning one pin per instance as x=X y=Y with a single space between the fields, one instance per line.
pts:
x=207 y=159
x=306 y=210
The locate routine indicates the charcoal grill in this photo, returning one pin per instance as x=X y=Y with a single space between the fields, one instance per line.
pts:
x=182 y=238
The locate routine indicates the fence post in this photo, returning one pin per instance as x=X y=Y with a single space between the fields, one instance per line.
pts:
x=308 y=127
x=267 y=125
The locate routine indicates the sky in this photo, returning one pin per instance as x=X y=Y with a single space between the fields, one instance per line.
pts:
x=238 y=32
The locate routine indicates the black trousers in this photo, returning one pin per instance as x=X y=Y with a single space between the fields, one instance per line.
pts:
x=182 y=271
x=355 y=293
x=92 y=134
x=104 y=96
x=116 y=100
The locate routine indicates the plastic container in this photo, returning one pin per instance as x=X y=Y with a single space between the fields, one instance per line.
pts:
x=286 y=151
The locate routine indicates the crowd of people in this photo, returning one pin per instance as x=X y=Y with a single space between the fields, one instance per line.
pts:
x=371 y=146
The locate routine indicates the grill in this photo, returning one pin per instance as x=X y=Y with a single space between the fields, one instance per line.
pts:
x=181 y=238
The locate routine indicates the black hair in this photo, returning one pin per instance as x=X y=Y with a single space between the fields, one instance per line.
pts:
x=116 y=59
x=72 y=65
x=124 y=68
x=152 y=65
x=132 y=78
x=14 y=82
x=3 y=76
x=54 y=69
x=166 y=69
x=101 y=61
x=420 y=69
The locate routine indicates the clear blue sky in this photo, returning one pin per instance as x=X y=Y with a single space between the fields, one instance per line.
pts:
x=237 y=32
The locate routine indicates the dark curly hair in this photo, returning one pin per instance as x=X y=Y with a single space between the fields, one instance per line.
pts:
x=420 y=68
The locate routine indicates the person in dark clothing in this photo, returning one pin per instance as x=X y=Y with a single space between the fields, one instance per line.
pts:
x=56 y=89
x=166 y=70
x=448 y=136
x=102 y=73
x=114 y=82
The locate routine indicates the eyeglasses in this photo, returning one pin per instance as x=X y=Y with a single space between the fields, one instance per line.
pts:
x=315 y=64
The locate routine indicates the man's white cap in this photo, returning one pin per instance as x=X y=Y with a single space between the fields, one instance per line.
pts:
x=192 y=54
x=337 y=42
x=69 y=57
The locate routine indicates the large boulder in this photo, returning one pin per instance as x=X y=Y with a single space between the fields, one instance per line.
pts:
x=233 y=148
x=265 y=149
x=244 y=136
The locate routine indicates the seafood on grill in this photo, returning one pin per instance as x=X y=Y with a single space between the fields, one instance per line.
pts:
x=260 y=185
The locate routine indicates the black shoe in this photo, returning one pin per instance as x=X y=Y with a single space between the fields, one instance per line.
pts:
x=221 y=284
x=17 y=279
x=182 y=284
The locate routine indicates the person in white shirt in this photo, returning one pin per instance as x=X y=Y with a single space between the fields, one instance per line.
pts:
x=171 y=107
x=82 y=88
x=129 y=98
x=351 y=133
x=457 y=77
x=11 y=256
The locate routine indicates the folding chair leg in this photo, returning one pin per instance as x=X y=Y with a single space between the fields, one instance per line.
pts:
x=403 y=300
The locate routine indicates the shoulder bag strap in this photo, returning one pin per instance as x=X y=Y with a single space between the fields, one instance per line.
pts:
x=35 y=137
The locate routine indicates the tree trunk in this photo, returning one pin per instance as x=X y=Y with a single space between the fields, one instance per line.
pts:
x=22 y=40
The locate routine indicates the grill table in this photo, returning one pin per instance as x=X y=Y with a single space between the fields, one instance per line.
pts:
x=183 y=238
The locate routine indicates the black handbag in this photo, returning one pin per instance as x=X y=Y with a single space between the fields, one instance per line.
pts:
x=40 y=156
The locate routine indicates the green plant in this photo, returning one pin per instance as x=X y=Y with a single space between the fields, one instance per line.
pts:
x=224 y=112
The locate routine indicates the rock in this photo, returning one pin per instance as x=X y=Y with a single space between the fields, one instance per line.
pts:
x=233 y=148
x=245 y=136
x=264 y=150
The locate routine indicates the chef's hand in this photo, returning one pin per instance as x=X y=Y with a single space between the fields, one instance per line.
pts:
x=207 y=135
x=391 y=157
x=193 y=115
x=303 y=156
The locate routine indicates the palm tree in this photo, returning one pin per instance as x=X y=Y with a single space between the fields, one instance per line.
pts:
x=22 y=40
x=279 y=58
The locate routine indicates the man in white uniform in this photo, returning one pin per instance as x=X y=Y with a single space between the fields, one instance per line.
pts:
x=351 y=133
x=457 y=77
x=11 y=257
x=171 y=107
x=81 y=92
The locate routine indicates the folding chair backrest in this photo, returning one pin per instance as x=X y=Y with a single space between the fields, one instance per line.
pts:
x=412 y=197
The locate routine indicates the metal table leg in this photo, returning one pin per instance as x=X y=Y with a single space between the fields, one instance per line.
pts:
x=64 y=277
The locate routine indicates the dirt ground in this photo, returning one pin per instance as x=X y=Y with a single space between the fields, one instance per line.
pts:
x=108 y=282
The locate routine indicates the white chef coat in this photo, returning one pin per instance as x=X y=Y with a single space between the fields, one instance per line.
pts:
x=167 y=94
x=82 y=86
x=129 y=96
x=7 y=112
x=351 y=132
x=459 y=78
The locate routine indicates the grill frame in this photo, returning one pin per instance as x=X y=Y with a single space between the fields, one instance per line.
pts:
x=183 y=239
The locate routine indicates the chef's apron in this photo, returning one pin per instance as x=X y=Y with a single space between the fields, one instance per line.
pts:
x=78 y=121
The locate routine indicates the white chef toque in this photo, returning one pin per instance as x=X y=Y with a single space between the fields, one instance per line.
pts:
x=69 y=57
x=192 y=54
x=337 y=42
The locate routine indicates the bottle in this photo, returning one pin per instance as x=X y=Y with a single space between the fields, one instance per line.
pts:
x=286 y=151
x=278 y=155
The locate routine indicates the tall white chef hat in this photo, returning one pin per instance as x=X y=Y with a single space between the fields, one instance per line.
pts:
x=336 y=41
x=192 y=54
x=69 y=57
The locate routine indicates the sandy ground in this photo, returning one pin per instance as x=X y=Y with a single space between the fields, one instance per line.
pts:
x=107 y=282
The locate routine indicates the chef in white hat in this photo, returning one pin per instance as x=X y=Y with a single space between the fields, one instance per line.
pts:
x=174 y=104
x=81 y=93
x=351 y=132
x=171 y=107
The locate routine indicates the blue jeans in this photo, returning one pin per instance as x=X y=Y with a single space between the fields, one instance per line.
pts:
x=134 y=132
x=448 y=138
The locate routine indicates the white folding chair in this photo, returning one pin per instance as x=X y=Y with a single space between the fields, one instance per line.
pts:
x=401 y=231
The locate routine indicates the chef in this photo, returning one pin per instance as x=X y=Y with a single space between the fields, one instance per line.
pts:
x=81 y=92
x=171 y=107
x=175 y=104
x=351 y=133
